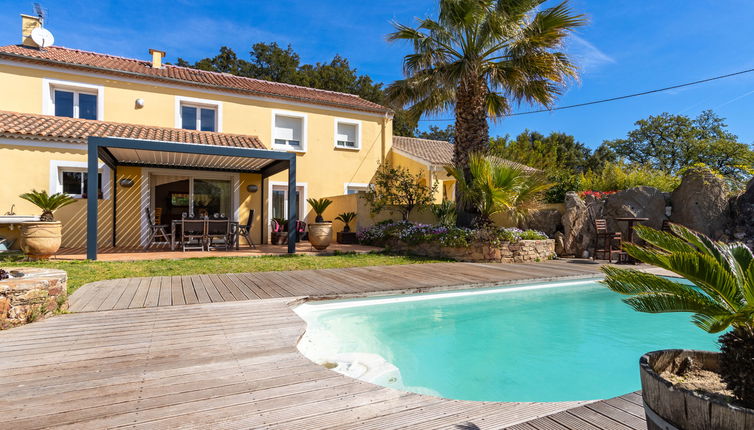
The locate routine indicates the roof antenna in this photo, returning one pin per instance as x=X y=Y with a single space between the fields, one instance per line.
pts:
x=40 y=35
x=41 y=13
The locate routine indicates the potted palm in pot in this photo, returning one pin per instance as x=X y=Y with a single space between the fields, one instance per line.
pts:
x=346 y=236
x=721 y=299
x=41 y=239
x=320 y=231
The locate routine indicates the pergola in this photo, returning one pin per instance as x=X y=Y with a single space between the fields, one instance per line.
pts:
x=116 y=152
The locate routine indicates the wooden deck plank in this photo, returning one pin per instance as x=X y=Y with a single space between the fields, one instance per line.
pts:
x=212 y=292
x=128 y=295
x=199 y=289
x=176 y=291
x=166 y=294
x=189 y=292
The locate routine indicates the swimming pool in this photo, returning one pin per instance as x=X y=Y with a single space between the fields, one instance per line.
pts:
x=540 y=342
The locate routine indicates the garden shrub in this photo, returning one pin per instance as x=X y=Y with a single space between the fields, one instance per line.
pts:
x=456 y=237
x=617 y=176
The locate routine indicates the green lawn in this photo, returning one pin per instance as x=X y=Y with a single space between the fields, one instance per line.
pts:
x=83 y=272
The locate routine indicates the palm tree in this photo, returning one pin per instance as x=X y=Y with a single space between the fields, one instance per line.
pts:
x=48 y=203
x=722 y=295
x=346 y=218
x=480 y=57
x=496 y=185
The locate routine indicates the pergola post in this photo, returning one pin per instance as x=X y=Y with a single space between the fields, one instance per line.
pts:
x=292 y=206
x=91 y=200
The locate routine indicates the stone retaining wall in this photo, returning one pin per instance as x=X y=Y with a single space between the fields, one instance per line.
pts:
x=524 y=251
x=35 y=295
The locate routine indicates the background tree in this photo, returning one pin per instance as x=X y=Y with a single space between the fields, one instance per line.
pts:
x=670 y=143
x=447 y=134
x=396 y=188
x=479 y=57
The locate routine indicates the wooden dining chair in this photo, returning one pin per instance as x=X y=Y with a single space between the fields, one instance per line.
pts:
x=245 y=231
x=605 y=241
x=218 y=234
x=156 y=231
x=193 y=230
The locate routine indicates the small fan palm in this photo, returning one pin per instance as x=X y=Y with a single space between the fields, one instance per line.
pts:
x=722 y=295
x=445 y=212
x=319 y=206
x=499 y=186
x=346 y=218
x=48 y=203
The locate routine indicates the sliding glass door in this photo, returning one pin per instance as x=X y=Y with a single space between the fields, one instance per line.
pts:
x=176 y=196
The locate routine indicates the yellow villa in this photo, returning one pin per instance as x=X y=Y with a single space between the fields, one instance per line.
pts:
x=55 y=99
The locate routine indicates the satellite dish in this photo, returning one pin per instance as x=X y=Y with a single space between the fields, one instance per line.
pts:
x=42 y=37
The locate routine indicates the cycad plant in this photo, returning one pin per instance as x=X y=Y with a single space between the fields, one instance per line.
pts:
x=445 y=212
x=497 y=185
x=346 y=218
x=722 y=296
x=48 y=203
x=319 y=206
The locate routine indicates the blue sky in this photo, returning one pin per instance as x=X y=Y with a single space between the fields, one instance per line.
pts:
x=627 y=47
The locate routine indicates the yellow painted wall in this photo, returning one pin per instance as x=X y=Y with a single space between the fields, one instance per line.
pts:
x=436 y=175
x=322 y=167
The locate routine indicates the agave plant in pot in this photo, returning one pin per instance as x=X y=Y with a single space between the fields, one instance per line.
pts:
x=320 y=231
x=41 y=239
x=346 y=236
x=695 y=389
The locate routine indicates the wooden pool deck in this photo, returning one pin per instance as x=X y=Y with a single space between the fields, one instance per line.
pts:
x=358 y=281
x=233 y=363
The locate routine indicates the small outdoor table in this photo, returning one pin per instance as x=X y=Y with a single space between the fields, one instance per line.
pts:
x=631 y=221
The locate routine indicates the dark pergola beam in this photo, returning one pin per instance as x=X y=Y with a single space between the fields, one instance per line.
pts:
x=98 y=149
x=274 y=168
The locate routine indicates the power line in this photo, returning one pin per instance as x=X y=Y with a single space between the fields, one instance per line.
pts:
x=612 y=99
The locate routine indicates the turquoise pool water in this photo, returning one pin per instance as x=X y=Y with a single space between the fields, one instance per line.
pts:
x=576 y=341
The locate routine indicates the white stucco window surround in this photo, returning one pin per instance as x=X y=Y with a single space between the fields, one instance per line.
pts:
x=60 y=168
x=49 y=86
x=199 y=105
x=289 y=130
x=347 y=134
x=355 y=188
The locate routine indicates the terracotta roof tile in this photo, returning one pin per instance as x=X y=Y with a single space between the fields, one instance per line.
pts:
x=75 y=58
x=435 y=152
x=45 y=127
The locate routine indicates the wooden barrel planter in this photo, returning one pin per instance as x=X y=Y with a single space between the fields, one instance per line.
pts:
x=670 y=408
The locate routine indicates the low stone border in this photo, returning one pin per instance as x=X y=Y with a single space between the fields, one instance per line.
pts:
x=35 y=295
x=524 y=251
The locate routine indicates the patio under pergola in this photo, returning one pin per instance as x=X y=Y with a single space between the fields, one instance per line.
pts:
x=115 y=152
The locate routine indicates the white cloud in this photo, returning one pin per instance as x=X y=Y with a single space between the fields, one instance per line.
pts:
x=587 y=56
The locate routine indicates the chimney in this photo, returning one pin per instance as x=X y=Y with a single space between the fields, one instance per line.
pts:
x=29 y=23
x=157 y=57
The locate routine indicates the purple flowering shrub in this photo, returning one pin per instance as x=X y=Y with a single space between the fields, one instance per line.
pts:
x=413 y=233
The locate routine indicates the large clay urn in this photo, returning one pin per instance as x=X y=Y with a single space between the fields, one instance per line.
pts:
x=40 y=240
x=320 y=234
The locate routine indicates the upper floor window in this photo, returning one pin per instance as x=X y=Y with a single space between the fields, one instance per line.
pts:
x=289 y=131
x=73 y=99
x=353 y=188
x=198 y=118
x=198 y=114
x=347 y=134
x=75 y=104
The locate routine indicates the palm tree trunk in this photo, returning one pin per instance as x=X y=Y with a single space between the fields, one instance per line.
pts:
x=472 y=135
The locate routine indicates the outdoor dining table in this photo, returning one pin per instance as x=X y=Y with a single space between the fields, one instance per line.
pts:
x=631 y=221
x=177 y=222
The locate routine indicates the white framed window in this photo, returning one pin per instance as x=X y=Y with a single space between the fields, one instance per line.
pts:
x=71 y=177
x=198 y=114
x=72 y=99
x=347 y=134
x=289 y=131
x=277 y=205
x=355 y=188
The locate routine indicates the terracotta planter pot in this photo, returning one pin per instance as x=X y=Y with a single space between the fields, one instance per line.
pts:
x=40 y=240
x=670 y=408
x=320 y=234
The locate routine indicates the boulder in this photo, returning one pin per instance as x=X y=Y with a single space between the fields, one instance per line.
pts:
x=548 y=221
x=578 y=225
x=638 y=202
x=742 y=216
x=701 y=203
